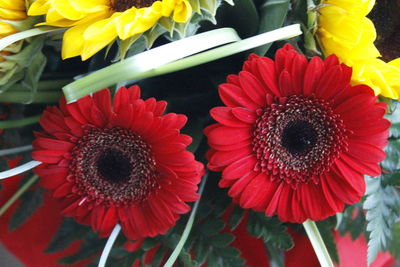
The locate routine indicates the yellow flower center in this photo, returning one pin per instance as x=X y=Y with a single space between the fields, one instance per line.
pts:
x=122 y=5
x=387 y=23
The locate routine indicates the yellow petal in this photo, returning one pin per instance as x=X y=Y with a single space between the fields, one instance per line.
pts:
x=6 y=29
x=13 y=4
x=73 y=41
x=182 y=11
x=39 y=7
x=97 y=36
x=12 y=14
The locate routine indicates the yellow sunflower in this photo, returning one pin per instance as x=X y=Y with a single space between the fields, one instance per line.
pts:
x=345 y=30
x=93 y=24
x=10 y=11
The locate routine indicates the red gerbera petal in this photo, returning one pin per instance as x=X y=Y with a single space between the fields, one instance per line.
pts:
x=123 y=164
x=295 y=138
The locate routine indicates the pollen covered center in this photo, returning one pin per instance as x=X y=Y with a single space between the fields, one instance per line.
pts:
x=386 y=18
x=297 y=138
x=122 y=5
x=113 y=166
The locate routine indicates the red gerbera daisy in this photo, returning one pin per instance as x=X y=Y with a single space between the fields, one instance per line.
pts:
x=124 y=164
x=295 y=138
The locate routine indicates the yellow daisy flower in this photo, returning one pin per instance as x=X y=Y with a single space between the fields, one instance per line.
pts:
x=345 y=30
x=10 y=10
x=93 y=24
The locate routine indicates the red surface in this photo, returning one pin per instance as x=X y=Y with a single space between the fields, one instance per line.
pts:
x=29 y=241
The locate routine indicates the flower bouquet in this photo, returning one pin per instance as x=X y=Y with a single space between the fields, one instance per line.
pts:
x=200 y=132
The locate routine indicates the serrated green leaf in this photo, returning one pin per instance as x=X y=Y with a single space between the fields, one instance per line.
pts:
x=382 y=205
x=186 y=258
x=273 y=14
x=211 y=227
x=270 y=229
x=201 y=251
x=68 y=232
x=392 y=179
x=392 y=161
x=33 y=74
x=236 y=217
x=229 y=252
x=158 y=257
x=30 y=201
x=394 y=247
x=221 y=240
x=325 y=228
x=149 y=243
x=353 y=221
x=90 y=246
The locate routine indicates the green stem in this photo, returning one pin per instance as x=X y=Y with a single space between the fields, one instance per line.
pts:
x=171 y=260
x=17 y=194
x=19 y=123
x=14 y=96
x=15 y=150
x=10 y=39
x=318 y=243
x=44 y=85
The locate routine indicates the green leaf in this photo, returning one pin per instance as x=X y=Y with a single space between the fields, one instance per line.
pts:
x=392 y=179
x=149 y=243
x=383 y=208
x=353 y=221
x=394 y=248
x=211 y=227
x=392 y=161
x=90 y=246
x=30 y=201
x=221 y=240
x=270 y=229
x=68 y=232
x=326 y=228
x=33 y=73
x=273 y=14
x=236 y=217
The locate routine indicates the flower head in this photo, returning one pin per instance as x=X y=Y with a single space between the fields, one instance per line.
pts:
x=95 y=24
x=294 y=138
x=345 y=30
x=10 y=11
x=124 y=164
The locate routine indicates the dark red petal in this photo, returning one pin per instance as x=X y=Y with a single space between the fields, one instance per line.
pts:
x=228 y=135
x=244 y=115
x=102 y=99
x=252 y=87
x=233 y=96
x=239 y=168
x=285 y=83
x=48 y=156
x=122 y=99
x=312 y=75
x=366 y=152
x=371 y=169
x=225 y=116
x=267 y=71
x=52 y=144
x=224 y=158
x=134 y=93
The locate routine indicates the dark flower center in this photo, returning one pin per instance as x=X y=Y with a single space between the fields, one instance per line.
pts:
x=298 y=138
x=113 y=166
x=122 y=5
x=386 y=18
